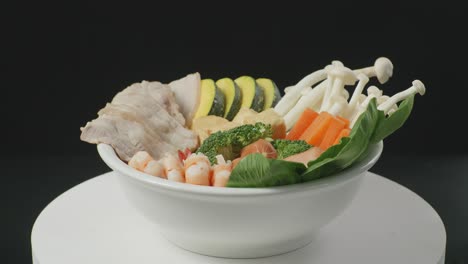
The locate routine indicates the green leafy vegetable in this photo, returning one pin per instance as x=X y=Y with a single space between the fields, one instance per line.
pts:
x=342 y=155
x=257 y=171
x=372 y=126
x=229 y=143
x=386 y=126
x=286 y=148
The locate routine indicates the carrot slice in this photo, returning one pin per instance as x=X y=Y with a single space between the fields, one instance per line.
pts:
x=344 y=133
x=316 y=131
x=306 y=118
x=346 y=121
x=333 y=130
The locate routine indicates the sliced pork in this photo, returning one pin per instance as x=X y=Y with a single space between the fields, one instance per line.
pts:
x=143 y=117
x=187 y=94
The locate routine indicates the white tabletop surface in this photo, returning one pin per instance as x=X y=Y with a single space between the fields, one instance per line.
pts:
x=93 y=223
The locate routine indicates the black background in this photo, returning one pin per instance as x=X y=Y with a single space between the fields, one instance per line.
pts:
x=62 y=64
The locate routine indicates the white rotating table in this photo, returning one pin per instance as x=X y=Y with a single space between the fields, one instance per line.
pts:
x=94 y=223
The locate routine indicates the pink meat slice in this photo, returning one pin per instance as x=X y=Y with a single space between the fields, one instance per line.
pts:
x=144 y=116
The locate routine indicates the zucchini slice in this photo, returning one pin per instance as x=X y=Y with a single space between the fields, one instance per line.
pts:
x=272 y=93
x=211 y=100
x=232 y=95
x=252 y=95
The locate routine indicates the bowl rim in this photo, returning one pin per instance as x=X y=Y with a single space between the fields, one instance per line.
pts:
x=109 y=156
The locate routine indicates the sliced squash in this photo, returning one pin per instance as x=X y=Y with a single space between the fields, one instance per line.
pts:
x=252 y=95
x=271 y=91
x=211 y=99
x=232 y=95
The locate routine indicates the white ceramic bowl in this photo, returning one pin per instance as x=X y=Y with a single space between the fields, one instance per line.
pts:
x=240 y=222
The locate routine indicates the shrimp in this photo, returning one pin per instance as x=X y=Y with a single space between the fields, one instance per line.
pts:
x=197 y=169
x=139 y=160
x=173 y=168
x=155 y=168
x=221 y=172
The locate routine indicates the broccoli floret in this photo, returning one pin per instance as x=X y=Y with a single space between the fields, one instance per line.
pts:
x=286 y=148
x=229 y=143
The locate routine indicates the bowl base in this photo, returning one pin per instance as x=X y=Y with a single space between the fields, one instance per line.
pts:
x=216 y=249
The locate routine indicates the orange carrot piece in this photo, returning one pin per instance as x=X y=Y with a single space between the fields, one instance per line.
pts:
x=306 y=118
x=316 y=131
x=346 y=121
x=333 y=130
x=344 y=133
